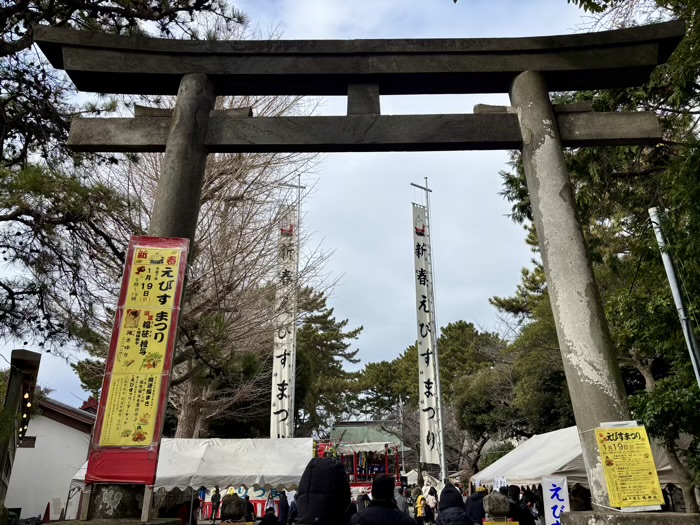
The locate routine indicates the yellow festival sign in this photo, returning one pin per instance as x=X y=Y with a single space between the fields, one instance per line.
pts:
x=145 y=319
x=628 y=463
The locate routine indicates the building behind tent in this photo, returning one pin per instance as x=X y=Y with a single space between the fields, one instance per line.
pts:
x=55 y=446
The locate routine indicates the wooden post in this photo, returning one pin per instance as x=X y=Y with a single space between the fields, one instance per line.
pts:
x=592 y=373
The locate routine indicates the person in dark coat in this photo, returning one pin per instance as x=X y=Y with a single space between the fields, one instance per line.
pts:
x=475 y=506
x=293 y=511
x=269 y=518
x=518 y=511
x=249 y=510
x=451 y=507
x=323 y=496
x=284 y=508
x=382 y=510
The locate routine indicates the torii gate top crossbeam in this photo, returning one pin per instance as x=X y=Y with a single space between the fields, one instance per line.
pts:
x=137 y=65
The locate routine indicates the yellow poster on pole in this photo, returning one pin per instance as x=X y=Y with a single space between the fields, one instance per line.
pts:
x=628 y=463
x=141 y=348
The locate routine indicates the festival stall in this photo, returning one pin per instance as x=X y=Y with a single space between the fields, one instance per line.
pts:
x=253 y=467
x=555 y=453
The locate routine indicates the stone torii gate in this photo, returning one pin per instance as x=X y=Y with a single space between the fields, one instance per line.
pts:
x=526 y=68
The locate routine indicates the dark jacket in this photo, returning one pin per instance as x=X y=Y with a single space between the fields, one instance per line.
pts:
x=323 y=496
x=520 y=513
x=475 y=508
x=293 y=511
x=284 y=509
x=381 y=512
x=362 y=502
x=453 y=516
x=269 y=519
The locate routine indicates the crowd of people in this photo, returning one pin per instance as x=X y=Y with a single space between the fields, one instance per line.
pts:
x=324 y=498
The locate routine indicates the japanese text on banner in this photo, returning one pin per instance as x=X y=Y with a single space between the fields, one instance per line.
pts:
x=555 y=493
x=146 y=316
x=628 y=463
x=284 y=343
x=429 y=402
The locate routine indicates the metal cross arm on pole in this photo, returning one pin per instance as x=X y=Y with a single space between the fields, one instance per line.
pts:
x=150 y=66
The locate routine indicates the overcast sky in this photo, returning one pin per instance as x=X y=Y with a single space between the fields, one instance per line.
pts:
x=361 y=205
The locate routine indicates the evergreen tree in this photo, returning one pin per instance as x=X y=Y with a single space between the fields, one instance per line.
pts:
x=325 y=390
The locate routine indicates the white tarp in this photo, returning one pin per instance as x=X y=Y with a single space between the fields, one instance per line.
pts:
x=271 y=463
x=555 y=453
x=412 y=476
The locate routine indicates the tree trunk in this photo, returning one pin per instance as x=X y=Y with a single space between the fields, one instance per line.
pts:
x=685 y=480
x=189 y=411
x=201 y=429
x=474 y=456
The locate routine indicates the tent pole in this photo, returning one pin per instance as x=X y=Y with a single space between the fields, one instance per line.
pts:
x=191 y=507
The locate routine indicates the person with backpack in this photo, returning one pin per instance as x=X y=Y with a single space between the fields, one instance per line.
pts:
x=496 y=505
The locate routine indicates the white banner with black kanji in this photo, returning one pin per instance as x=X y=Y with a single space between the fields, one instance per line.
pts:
x=429 y=403
x=284 y=345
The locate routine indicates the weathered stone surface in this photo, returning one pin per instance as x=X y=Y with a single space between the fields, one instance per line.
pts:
x=592 y=373
x=117 y=64
x=363 y=99
x=363 y=132
x=116 y=502
x=176 y=206
x=634 y=518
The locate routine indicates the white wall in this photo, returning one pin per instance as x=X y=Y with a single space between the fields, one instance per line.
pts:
x=42 y=474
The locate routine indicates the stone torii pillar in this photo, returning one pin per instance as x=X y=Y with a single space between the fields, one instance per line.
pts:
x=592 y=373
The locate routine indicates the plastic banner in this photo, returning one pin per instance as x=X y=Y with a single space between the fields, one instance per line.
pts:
x=137 y=374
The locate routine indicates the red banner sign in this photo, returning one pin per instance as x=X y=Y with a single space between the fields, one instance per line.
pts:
x=134 y=395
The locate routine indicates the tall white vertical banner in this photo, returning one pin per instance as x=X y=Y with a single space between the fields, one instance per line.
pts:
x=284 y=345
x=429 y=402
x=555 y=493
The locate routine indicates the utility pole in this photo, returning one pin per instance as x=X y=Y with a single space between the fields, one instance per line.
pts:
x=686 y=325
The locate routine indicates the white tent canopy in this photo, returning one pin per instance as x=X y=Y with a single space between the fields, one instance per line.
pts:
x=270 y=463
x=554 y=453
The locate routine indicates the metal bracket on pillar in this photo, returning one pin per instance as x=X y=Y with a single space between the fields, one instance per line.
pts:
x=363 y=99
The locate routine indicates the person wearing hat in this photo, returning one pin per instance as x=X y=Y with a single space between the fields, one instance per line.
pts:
x=451 y=507
x=382 y=509
x=475 y=505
